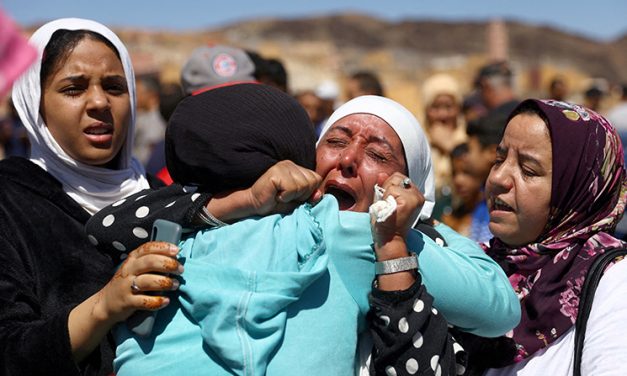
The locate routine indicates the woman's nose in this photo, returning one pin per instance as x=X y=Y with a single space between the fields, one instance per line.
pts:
x=500 y=178
x=349 y=160
x=97 y=99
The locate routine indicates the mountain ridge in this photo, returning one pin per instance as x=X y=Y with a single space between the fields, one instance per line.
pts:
x=402 y=52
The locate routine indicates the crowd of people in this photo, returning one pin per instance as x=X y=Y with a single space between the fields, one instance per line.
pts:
x=320 y=238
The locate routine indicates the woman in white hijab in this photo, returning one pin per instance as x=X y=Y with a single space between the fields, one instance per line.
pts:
x=384 y=115
x=77 y=102
x=374 y=140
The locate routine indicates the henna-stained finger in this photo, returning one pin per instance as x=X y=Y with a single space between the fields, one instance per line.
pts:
x=153 y=302
x=154 y=263
x=156 y=247
x=167 y=283
x=163 y=283
x=153 y=282
x=172 y=266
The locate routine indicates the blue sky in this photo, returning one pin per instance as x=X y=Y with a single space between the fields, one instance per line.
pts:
x=601 y=19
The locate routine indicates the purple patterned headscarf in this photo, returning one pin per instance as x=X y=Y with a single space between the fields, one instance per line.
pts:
x=587 y=201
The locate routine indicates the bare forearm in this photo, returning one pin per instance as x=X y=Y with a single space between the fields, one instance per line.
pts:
x=151 y=267
x=87 y=325
x=231 y=206
x=283 y=187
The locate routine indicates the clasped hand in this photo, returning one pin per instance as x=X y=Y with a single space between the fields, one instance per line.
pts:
x=283 y=187
x=147 y=268
x=409 y=200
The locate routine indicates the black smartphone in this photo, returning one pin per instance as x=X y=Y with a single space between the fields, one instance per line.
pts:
x=141 y=322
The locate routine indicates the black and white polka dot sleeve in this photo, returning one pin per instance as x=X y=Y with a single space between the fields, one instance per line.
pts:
x=410 y=336
x=123 y=226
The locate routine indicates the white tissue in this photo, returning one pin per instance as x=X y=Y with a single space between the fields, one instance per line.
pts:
x=381 y=209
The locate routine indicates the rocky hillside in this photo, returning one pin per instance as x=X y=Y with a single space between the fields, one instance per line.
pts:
x=428 y=42
x=403 y=53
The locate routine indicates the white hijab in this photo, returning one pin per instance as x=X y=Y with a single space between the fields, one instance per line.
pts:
x=90 y=186
x=408 y=129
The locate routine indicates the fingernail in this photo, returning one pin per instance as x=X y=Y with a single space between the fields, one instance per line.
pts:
x=174 y=249
x=165 y=301
x=180 y=268
x=175 y=284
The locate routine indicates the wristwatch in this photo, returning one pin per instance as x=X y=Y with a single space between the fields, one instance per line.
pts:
x=396 y=265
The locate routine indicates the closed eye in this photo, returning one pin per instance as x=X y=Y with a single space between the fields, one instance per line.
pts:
x=528 y=172
x=336 y=142
x=377 y=156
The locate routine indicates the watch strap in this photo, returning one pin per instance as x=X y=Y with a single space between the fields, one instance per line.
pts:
x=396 y=265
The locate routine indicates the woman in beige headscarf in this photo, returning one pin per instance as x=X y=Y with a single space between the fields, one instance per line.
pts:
x=442 y=99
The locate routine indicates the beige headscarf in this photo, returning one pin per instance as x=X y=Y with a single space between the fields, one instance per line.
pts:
x=435 y=85
x=440 y=83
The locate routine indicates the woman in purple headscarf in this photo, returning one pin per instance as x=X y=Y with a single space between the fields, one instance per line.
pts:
x=555 y=193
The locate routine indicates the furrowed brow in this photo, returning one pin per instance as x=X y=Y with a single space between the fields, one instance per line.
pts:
x=75 y=78
x=381 y=141
x=342 y=129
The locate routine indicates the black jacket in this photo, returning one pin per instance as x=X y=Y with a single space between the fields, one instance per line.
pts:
x=48 y=266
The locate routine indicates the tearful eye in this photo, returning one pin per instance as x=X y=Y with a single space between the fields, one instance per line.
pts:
x=335 y=142
x=378 y=157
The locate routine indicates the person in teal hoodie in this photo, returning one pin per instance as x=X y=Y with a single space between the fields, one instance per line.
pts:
x=318 y=292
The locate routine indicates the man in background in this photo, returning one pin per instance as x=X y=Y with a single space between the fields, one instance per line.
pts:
x=207 y=67
x=363 y=83
x=13 y=135
x=484 y=136
x=495 y=82
x=593 y=97
x=328 y=91
x=618 y=114
x=313 y=105
x=558 y=89
x=149 y=124
x=217 y=64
